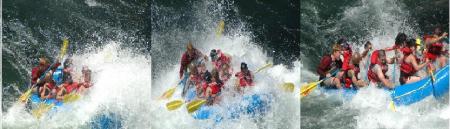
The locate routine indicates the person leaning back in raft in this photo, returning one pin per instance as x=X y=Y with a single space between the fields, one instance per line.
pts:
x=435 y=47
x=328 y=64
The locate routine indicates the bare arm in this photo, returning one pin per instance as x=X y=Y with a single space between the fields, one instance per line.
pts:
x=416 y=66
x=383 y=79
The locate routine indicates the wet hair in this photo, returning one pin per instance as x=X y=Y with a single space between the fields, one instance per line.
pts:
x=367 y=44
x=189 y=46
x=67 y=63
x=336 y=47
x=213 y=54
x=244 y=65
x=411 y=43
x=356 y=59
x=400 y=39
x=207 y=77
x=438 y=26
x=342 y=40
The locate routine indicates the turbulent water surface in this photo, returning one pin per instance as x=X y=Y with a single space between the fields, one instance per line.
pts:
x=110 y=37
x=254 y=37
x=378 y=21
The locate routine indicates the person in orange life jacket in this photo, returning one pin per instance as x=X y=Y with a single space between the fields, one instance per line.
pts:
x=244 y=78
x=214 y=88
x=346 y=52
x=189 y=56
x=225 y=73
x=378 y=68
x=48 y=89
x=351 y=76
x=201 y=89
x=69 y=85
x=218 y=58
x=410 y=64
x=328 y=63
x=87 y=79
x=39 y=70
x=434 y=46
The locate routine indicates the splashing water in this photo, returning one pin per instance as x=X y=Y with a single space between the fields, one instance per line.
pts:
x=168 y=40
x=121 y=89
x=378 y=22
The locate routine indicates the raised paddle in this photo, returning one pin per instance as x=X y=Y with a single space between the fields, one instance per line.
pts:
x=24 y=97
x=220 y=28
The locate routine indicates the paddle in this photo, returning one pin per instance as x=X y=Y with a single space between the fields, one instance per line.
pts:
x=288 y=87
x=264 y=67
x=24 y=97
x=42 y=108
x=72 y=97
x=174 y=105
x=196 y=104
x=308 y=88
x=220 y=28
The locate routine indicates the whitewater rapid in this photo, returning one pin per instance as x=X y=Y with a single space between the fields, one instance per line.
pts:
x=369 y=108
x=121 y=89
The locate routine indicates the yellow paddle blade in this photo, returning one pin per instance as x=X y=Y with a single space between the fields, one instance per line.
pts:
x=72 y=97
x=392 y=106
x=288 y=87
x=174 y=105
x=168 y=94
x=42 y=108
x=430 y=71
x=220 y=28
x=263 y=67
x=195 y=105
x=418 y=43
x=64 y=48
x=24 y=97
x=308 y=88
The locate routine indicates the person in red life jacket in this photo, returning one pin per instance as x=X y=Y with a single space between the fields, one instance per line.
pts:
x=410 y=64
x=48 y=89
x=435 y=47
x=214 y=88
x=378 y=68
x=39 y=70
x=67 y=88
x=328 y=64
x=218 y=58
x=225 y=73
x=346 y=52
x=193 y=80
x=351 y=76
x=201 y=89
x=87 y=79
x=244 y=78
x=189 y=56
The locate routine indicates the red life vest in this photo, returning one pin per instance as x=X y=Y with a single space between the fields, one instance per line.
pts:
x=71 y=87
x=215 y=87
x=348 y=80
x=371 y=75
x=434 y=49
x=407 y=69
x=222 y=59
x=346 y=62
x=244 y=80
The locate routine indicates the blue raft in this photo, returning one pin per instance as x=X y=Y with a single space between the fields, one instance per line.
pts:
x=252 y=105
x=410 y=93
